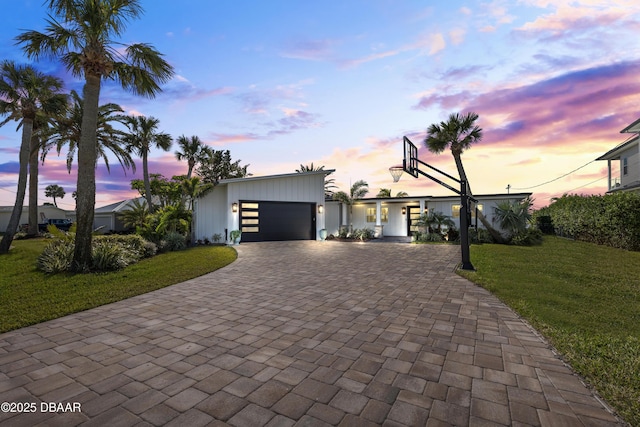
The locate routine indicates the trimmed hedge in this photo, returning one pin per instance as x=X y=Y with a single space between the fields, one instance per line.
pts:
x=612 y=219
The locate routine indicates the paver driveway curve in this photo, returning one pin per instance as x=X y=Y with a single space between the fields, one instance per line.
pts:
x=307 y=333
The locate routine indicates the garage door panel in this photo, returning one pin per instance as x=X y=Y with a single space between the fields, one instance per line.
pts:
x=274 y=221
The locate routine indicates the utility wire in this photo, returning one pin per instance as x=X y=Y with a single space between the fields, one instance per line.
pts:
x=555 y=179
x=577 y=188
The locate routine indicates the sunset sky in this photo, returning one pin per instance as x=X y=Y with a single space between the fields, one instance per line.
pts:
x=339 y=83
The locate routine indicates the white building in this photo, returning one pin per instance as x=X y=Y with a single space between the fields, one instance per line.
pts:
x=293 y=207
x=45 y=212
x=627 y=155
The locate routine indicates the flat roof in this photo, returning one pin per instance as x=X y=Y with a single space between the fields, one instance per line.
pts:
x=284 y=175
x=410 y=199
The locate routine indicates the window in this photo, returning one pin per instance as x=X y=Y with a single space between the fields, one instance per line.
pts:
x=625 y=166
x=371 y=214
x=455 y=210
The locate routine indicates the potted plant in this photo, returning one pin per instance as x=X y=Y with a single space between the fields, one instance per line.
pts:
x=235 y=236
x=323 y=234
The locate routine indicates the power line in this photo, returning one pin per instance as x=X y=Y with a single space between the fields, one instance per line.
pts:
x=577 y=188
x=555 y=179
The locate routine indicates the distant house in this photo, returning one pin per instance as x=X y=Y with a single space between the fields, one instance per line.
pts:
x=397 y=216
x=627 y=155
x=107 y=218
x=45 y=211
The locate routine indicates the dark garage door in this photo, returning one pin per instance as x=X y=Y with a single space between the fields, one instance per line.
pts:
x=270 y=221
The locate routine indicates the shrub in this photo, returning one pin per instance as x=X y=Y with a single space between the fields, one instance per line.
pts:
x=216 y=238
x=56 y=256
x=480 y=236
x=173 y=241
x=528 y=237
x=109 y=256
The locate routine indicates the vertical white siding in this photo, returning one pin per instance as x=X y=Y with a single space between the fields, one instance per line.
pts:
x=211 y=213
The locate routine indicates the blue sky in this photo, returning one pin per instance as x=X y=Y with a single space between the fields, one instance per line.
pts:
x=339 y=83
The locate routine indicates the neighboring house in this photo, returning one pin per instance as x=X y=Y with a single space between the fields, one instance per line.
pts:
x=627 y=155
x=276 y=207
x=396 y=216
x=107 y=218
x=45 y=211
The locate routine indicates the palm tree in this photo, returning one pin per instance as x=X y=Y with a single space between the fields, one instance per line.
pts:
x=193 y=151
x=24 y=92
x=142 y=137
x=136 y=216
x=54 y=190
x=458 y=134
x=82 y=36
x=384 y=193
x=402 y=194
x=357 y=191
x=66 y=131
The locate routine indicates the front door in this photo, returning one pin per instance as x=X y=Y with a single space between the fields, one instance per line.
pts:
x=413 y=214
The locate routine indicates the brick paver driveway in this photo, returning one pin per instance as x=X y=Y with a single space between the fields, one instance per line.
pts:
x=304 y=333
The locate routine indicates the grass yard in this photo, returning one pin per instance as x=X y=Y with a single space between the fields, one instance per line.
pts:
x=28 y=296
x=584 y=298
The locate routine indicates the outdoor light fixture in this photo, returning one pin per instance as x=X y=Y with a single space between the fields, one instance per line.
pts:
x=234 y=207
x=320 y=209
x=404 y=210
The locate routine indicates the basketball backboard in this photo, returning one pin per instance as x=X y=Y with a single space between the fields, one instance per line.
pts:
x=410 y=163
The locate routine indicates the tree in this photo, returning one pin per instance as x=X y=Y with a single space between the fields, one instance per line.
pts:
x=142 y=137
x=458 y=134
x=216 y=165
x=164 y=191
x=82 y=35
x=514 y=216
x=384 y=193
x=136 y=216
x=357 y=191
x=66 y=131
x=24 y=93
x=192 y=150
x=329 y=184
x=402 y=194
x=54 y=190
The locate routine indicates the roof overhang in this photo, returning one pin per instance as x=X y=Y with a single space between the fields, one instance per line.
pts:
x=614 y=154
x=632 y=128
x=323 y=172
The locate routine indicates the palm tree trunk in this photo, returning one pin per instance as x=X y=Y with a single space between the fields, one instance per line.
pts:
x=147 y=184
x=86 y=189
x=7 y=239
x=33 y=186
x=463 y=177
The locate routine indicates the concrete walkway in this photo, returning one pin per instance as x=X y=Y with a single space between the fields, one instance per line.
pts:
x=298 y=333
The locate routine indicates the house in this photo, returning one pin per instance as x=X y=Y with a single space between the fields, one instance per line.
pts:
x=107 y=218
x=45 y=211
x=397 y=216
x=265 y=208
x=627 y=155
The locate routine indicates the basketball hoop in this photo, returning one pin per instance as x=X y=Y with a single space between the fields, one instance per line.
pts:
x=396 y=172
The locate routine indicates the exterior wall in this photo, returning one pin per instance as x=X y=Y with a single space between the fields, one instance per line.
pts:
x=633 y=166
x=333 y=214
x=210 y=214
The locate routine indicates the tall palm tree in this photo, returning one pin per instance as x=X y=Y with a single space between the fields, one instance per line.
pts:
x=458 y=134
x=357 y=191
x=82 y=34
x=142 y=137
x=193 y=150
x=55 y=191
x=24 y=92
x=66 y=131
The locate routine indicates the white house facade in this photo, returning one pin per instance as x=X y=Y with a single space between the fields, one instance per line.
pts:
x=276 y=207
x=397 y=216
x=45 y=212
x=627 y=157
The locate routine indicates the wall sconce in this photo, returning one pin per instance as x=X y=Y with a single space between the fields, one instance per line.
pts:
x=234 y=207
x=404 y=210
x=320 y=208
x=426 y=210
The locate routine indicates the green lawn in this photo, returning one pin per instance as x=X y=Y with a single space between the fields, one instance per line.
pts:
x=584 y=298
x=28 y=296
